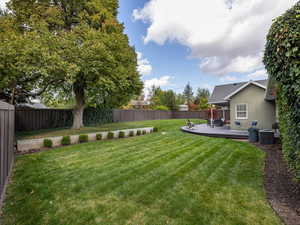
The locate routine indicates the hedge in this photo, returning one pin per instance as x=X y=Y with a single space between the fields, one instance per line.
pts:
x=282 y=61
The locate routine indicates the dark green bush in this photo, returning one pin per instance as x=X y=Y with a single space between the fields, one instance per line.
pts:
x=99 y=137
x=155 y=129
x=48 y=143
x=110 y=135
x=131 y=133
x=138 y=133
x=281 y=59
x=66 y=140
x=121 y=134
x=83 y=138
x=144 y=132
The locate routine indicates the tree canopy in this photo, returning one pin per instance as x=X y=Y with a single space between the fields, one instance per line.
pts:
x=64 y=49
x=188 y=93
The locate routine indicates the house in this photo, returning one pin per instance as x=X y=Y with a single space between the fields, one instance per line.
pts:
x=32 y=105
x=139 y=104
x=183 y=108
x=247 y=101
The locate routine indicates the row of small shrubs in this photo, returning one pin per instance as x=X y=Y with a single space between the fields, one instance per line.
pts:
x=66 y=140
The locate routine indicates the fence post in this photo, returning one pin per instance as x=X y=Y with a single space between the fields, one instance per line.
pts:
x=7 y=139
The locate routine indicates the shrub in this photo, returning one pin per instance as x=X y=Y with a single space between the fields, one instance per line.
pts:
x=155 y=129
x=83 y=138
x=48 y=143
x=144 y=132
x=138 y=133
x=66 y=140
x=281 y=60
x=121 y=134
x=99 y=137
x=161 y=107
x=110 y=135
x=131 y=133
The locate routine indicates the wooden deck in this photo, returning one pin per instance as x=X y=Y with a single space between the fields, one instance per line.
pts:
x=222 y=132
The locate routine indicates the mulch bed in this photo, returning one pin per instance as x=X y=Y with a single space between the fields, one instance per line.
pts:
x=283 y=193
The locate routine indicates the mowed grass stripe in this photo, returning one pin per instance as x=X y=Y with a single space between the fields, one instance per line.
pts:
x=113 y=162
x=141 y=167
x=162 y=185
x=167 y=170
x=53 y=167
x=175 y=178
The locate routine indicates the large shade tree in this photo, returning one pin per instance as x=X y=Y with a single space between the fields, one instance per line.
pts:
x=69 y=49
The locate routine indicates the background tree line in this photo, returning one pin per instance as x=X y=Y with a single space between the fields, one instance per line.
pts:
x=170 y=100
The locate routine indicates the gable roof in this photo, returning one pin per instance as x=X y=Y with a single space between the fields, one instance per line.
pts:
x=222 y=93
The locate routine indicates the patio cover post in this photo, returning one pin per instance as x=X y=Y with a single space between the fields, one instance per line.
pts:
x=211 y=115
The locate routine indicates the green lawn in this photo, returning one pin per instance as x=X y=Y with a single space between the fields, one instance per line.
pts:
x=106 y=127
x=175 y=178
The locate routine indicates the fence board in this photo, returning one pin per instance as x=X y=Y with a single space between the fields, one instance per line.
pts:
x=33 y=119
x=7 y=139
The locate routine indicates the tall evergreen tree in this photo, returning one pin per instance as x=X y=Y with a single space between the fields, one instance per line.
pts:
x=188 y=93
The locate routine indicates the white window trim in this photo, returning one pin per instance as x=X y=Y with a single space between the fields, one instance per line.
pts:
x=236 y=112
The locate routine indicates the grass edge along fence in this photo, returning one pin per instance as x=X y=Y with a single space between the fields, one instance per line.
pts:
x=7 y=139
x=37 y=119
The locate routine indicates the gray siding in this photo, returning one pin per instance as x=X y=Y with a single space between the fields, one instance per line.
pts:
x=258 y=109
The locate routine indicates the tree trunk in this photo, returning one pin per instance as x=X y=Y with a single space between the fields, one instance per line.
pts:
x=79 y=107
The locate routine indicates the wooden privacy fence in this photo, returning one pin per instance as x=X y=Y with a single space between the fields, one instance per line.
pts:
x=138 y=115
x=28 y=119
x=36 y=119
x=7 y=138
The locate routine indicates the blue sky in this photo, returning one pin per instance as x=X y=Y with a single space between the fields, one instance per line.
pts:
x=205 y=43
x=170 y=59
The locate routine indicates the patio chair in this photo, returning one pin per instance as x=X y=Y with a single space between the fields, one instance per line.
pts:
x=219 y=123
x=190 y=124
x=254 y=123
x=237 y=123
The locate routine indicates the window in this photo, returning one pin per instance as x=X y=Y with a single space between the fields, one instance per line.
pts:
x=241 y=111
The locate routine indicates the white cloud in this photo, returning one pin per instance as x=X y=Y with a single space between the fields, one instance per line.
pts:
x=259 y=74
x=144 y=66
x=226 y=35
x=3 y=3
x=157 y=82
x=228 y=78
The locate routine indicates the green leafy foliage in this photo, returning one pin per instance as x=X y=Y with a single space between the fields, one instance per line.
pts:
x=110 y=135
x=67 y=50
x=139 y=133
x=66 y=140
x=282 y=61
x=99 y=137
x=83 y=138
x=155 y=129
x=121 y=134
x=131 y=133
x=48 y=143
x=160 y=107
